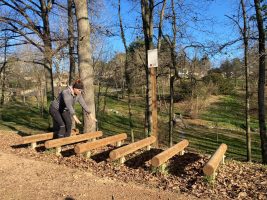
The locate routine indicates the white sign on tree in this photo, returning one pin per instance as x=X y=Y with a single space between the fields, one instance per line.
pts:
x=152 y=58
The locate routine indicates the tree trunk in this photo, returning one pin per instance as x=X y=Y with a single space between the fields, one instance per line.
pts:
x=71 y=42
x=98 y=99
x=3 y=80
x=261 y=81
x=105 y=100
x=127 y=75
x=85 y=60
x=245 y=40
x=172 y=77
x=47 y=49
x=171 y=110
x=147 y=7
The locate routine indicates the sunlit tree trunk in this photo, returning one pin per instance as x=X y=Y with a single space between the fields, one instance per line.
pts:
x=147 y=7
x=85 y=61
x=3 y=74
x=45 y=8
x=245 y=40
x=71 y=42
x=127 y=74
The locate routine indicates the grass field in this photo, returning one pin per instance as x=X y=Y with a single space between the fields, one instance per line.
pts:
x=222 y=123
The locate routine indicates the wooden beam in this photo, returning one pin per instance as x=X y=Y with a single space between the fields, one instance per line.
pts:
x=161 y=158
x=81 y=148
x=72 y=139
x=211 y=166
x=41 y=137
x=125 y=150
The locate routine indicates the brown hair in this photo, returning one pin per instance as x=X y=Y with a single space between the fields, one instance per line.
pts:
x=78 y=84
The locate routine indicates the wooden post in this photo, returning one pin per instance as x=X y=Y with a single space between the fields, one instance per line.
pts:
x=88 y=154
x=118 y=144
x=33 y=145
x=58 y=151
x=122 y=160
x=154 y=106
x=182 y=153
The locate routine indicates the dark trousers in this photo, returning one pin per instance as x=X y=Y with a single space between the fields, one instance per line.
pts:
x=61 y=122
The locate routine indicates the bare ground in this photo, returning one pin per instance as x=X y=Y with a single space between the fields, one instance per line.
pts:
x=29 y=179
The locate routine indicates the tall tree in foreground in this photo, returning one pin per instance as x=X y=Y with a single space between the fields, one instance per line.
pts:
x=245 y=42
x=3 y=72
x=147 y=7
x=261 y=82
x=85 y=61
x=126 y=72
x=71 y=41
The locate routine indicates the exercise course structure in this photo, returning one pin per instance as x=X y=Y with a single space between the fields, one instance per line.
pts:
x=125 y=150
x=33 y=139
x=58 y=143
x=87 y=147
x=213 y=163
x=164 y=156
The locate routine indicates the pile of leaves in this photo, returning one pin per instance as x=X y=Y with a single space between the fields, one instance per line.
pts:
x=183 y=173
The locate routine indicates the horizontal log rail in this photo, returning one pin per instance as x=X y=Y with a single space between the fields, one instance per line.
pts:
x=85 y=147
x=213 y=163
x=125 y=150
x=164 y=156
x=33 y=139
x=72 y=139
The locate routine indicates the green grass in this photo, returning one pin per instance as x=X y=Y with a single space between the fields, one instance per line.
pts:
x=24 y=118
x=227 y=117
x=230 y=111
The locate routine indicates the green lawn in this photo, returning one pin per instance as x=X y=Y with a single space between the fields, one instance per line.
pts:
x=226 y=116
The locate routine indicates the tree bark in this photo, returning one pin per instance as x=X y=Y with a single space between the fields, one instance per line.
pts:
x=261 y=81
x=85 y=60
x=245 y=41
x=147 y=7
x=3 y=73
x=48 y=52
x=127 y=74
x=71 y=42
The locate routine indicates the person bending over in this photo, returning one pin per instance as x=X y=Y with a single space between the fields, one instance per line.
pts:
x=62 y=109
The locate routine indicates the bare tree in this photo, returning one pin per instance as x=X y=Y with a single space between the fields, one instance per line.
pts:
x=32 y=18
x=71 y=41
x=261 y=81
x=85 y=60
x=126 y=72
x=3 y=72
x=245 y=41
x=147 y=7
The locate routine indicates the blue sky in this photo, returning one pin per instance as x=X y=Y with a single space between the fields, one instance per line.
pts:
x=220 y=30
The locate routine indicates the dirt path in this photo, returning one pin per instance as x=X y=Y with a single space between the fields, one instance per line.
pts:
x=29 y=179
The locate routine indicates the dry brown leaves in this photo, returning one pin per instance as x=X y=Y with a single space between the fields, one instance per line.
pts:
x=234 y=180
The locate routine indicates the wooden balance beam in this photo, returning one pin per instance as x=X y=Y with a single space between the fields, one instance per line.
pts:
x=33 y=139
x=86 y=147
x=57 y=143
x=125 y=150
x=212 y=165
x=161 y=158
